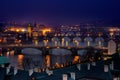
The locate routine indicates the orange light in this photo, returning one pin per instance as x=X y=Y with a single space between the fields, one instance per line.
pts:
x=17 y=30
x=20 y=59
x=0 y=40
x=46 y=30
x=47 y=47
x=19 y=40
x=12 y=29
x=23 y=30
x=58 y=47
x=112 y=29
x=47 y=59
x=111 y=33
x=76 y=59
x=57 y=65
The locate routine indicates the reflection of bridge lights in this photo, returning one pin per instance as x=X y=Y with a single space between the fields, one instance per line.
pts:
x=47 y=59
x=76 y=59
x=20 y=57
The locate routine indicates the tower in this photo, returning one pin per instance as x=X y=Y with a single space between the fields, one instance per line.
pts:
x=111 y=47
x=29 y=30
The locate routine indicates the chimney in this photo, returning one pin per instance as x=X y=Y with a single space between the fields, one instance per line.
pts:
x=30 y=72
x=112 y=65
x=79 y=66
x=7 y=70
x=105 y=68
x=49 y=72
x=88 y=66
x=93 y=63
x=72 y=75
x=35 y=69
x=15 y=71
x=64 y=77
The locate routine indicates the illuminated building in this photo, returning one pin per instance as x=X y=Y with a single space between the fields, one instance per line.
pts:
x=16 y=29
x=44 y=31
x=29 y=30
x=47 y=60
x=111 y=47
x=35 y=38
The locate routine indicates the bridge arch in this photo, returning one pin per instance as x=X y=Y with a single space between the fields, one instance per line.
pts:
x=61 y=56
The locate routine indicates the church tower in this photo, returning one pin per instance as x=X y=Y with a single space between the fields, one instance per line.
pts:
x=29 y=30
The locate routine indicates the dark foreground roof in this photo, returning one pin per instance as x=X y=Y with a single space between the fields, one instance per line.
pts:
x=95 y=73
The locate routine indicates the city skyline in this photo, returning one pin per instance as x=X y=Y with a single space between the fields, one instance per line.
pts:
x=59 y=40
x=54 y=12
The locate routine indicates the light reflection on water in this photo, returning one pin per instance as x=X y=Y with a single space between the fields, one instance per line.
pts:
x=20 y=60
x=48 y=61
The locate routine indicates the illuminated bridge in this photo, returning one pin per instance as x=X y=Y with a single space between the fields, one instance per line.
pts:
x=18 y=48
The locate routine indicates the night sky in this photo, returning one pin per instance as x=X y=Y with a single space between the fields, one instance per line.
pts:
x=61 y=11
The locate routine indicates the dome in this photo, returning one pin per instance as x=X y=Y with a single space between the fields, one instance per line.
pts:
x=31 y=51
x=60 y=52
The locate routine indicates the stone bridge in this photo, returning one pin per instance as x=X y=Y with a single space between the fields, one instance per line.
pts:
x=45 y=49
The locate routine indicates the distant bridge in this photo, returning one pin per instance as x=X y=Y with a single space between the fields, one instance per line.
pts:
x=45 y=49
